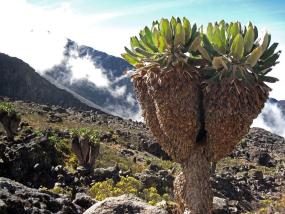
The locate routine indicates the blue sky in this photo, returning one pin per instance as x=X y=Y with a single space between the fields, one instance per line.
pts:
x=202 y=11
x=129 y=14
x=107 y=25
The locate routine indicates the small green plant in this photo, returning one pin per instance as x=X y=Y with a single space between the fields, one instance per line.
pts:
x=127 y=185
x=108 y=188
x=93 y=135
x=61 y=144
x=71 y=163
x=7 y=107
x=152 y=197
x=85 y=144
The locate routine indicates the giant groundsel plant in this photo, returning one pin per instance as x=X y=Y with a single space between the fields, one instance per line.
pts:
x=199 y=92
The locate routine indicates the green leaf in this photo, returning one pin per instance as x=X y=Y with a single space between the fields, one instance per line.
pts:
x=265 y=41
x=146 y=43
x=222 y=23
x=248 y=40
x=208 y=46
x=131 y=53
x=149 y=40
x=135 y=42
x=178 y=20
x=166 y=31
x=254 y=56
x=144 y=52
x=237 y=48
x=265 y=71
x=223 y=48
x=204 y=53
x=234 y=29
x=193 y=32
x=192 y=37
x=148 y=35
x=269 y=51
x=155 y=37
x=195 y=44
x=270 y=61
x=162 y=43
x=179 y=36
x=130 y=59
x=255 y=33
x=187 y=29
x=217 y=37
x=268 y=79
x=210 y=33
x=173 y=23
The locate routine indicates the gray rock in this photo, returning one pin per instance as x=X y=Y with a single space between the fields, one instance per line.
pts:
x=19 y=199
x=102 y=174
x=30 y=161
x=3 y=207
x=264 y=159
x=124 y=204
x=83 y=200
x=220 y=206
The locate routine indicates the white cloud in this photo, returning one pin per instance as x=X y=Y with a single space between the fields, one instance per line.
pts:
x=118 y=91
x=271 y=119
x=38 y=34
x=83 y=68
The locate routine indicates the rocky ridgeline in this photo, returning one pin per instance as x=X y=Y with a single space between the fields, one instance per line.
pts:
x=34 y=163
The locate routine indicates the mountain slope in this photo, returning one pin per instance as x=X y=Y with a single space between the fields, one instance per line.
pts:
x=41 y=158
x=20 y=81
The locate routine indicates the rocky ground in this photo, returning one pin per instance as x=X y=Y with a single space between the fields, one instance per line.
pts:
x=40 y=173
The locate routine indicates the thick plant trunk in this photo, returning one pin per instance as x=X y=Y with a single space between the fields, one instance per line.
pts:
x=193 y=188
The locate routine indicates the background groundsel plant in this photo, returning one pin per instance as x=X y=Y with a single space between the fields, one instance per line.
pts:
x=9 y=109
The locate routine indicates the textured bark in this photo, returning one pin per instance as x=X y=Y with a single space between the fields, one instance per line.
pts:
x=192 y=188
x=179 y=191
x=228 y=115
x=169 y=101
x=170 y=107
x=149 y=114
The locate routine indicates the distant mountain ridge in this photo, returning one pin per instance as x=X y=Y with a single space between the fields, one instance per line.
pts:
x=112 y=67
x=20 y=81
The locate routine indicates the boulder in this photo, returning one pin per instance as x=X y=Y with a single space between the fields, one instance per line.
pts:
x=124 y=204
x=102 y=174
x=83 y=200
